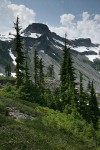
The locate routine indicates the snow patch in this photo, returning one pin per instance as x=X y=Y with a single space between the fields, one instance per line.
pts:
x=8 y=37
x=12 y=56
x=1 y=74
x=32 y=35
x=30 y=47
x=81 y=49
x=35 y=35
x=42 y=51
x=95 y=49
x=92 y=57
x=53 y=53
x=13 y=74
x=62 y=43
x=47 y=38
x=84 y=49
x=58 y=47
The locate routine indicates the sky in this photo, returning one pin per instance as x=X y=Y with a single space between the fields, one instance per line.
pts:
x=77 y=18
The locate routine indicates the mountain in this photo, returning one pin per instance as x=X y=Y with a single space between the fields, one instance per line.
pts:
x=86 y=55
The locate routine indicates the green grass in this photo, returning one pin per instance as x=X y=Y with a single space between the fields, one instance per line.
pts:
x=46 y=129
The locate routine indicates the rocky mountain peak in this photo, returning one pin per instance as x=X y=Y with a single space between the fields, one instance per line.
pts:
x=83 y=42
x=38 y=28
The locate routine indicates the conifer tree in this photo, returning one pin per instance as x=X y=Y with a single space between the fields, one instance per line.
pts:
x=36 y=68
x=71 y=71
x=67 y=78
x=26 y=90
x=27 y=75
x=81 y=84
x=82 y=99
x=8 y=70
x=19 y=55
x=64 y=69
x=89 y=86
x=93 y=107
x=50 y=71
x=41 y=76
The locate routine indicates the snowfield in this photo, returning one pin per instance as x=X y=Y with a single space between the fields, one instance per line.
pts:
x=84 y=49
x=92 y=57
x=7 y=37
x=32 y=35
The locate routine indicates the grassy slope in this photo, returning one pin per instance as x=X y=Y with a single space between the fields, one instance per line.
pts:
x=45 y=130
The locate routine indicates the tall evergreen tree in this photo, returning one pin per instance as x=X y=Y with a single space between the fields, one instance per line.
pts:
x=81 y=84
x=36 y=68
x=8 y=70
x=67 y=77
x=27 y=75
x=41 y=76
x=82 y=99
x=26 y=90
x=64 y=69
x=93 y=107
x=89 y=86
x=71 y=71
x=19 y=55
x=50 y=71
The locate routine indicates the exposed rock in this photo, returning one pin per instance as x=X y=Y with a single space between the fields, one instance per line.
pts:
x=13 y=112
x=37 y=28
x=82 y=42
x=89 y=53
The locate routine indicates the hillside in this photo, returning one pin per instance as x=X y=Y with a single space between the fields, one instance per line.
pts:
x=28 y=126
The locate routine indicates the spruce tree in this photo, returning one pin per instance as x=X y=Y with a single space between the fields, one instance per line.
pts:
x=71 y=71
x=19 y=55
x=36 y=68
x=41 y=76
x=27 y=75
x=81 y=84
x=26 y=90
x=82 y=99
x=8 y=70
x=89 y=86
x=64 y=70
x=50 y=71
x=93 y=108
x=67 y=78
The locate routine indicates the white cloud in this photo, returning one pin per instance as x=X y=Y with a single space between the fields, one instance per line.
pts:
x=97 y=18
x=9 y=13
x=85 y=16
x=66 y=19
x=84 y=28
x=25 y=14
